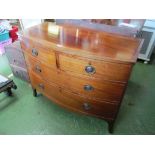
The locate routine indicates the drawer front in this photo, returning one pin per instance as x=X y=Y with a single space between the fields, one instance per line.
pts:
x=92 y=68
x=39 y=51
x=92 y=88
x=73 y=101
x=85 y=105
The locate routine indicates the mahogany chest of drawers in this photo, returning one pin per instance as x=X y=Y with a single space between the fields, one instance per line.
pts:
x=83 y=70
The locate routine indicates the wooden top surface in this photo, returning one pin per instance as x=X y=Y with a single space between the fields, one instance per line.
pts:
x=83 y=41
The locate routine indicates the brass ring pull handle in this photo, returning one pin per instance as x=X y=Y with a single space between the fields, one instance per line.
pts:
x=88 y=87
x=38 y=69
x=41 y=86
x=86 y=106
x=34 y=52
x=90 y=69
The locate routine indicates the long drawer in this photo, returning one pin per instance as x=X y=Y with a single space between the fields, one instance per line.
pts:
x=108 y=91
x=73 y=101
x=83 y=85
x=106 y=70
x=39 y=52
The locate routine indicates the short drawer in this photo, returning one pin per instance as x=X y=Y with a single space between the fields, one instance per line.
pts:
x=73 y=101
x=93 y=68
x=39 y=51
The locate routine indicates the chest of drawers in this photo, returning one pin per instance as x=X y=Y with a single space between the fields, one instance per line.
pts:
x=80 y=69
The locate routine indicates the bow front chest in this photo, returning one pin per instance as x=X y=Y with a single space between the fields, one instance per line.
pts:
x=80 y=69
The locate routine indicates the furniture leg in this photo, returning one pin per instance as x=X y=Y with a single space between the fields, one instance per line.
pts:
x=34 y=92
x=14 y=86
x=9 y=92
x=110 y=126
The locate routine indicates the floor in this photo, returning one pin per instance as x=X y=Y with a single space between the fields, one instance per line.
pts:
x=25 y=114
